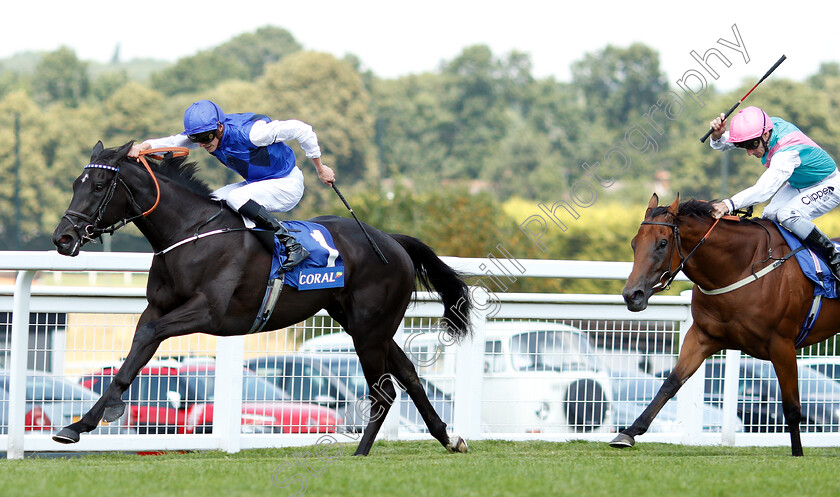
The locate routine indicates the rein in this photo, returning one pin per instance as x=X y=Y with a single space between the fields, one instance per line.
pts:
x=89 y=232
x=153 y=153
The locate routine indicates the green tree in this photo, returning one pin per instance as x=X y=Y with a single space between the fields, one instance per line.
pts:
x=620 y=84
x=411 y=119
x=133 y=113
x=197 y=73
x=61 y=77
x=255 y=50
x=329 y=94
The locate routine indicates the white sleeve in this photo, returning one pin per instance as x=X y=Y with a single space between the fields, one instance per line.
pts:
x=722 y=144
x=172 y=141
x=263 y=134
x=781 y=167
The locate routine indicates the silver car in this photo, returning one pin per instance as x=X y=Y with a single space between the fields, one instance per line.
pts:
x=52 y=402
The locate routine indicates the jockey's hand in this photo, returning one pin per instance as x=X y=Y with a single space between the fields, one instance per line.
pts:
x=720 y=209
x=718 y=126
x=326 y=174
x=135 y=150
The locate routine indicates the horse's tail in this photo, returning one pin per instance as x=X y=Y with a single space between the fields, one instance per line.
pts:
x=435 y=275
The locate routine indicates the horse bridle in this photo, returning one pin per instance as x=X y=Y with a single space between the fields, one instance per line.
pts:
x=89 y=232
x=669 y=275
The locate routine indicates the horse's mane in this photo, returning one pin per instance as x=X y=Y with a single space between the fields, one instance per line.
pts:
x=692 y=208
x=178 y=169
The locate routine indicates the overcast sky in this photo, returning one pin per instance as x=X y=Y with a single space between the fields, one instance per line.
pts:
x=396 y=38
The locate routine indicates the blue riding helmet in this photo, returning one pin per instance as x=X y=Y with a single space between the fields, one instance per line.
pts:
x=202 y=116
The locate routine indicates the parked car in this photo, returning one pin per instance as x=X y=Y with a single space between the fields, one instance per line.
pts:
x=760 y=401
x=337 y=381
x=827 y=365
x=538 y=376
x=52 y=402
x=164 y=399
x=634 y=390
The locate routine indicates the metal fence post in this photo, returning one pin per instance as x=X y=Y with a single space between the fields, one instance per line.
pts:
x=17 y=367
x=731 y=373
x=469 y=370
x=690 y=395
x=227 y=408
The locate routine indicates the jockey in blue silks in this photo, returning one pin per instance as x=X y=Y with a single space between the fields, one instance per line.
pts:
x=252 y=145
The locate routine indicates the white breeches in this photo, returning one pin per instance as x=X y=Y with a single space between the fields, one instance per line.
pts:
x=276 y=195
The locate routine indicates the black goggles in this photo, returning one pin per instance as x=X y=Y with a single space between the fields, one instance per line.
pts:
x=205 y=137
x=749 y=144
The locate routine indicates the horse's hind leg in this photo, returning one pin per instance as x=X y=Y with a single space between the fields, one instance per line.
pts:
x=403 y=370
x=783 y=357
x=693 y=352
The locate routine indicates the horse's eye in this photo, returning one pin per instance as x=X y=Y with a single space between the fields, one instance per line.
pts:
x=98 y=187
x=662 y=244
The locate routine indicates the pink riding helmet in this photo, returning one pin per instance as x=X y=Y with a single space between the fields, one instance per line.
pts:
x=749 y=123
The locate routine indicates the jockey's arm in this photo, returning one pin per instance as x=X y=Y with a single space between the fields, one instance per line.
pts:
x=265 y=133
x=167 y=141
x=780 y=169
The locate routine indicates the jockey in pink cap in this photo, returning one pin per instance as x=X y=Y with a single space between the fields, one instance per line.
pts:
x=801 y=177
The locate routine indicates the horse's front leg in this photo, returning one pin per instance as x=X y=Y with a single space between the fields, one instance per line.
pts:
x=195 y=315
x=695 y=349
x=783 y=357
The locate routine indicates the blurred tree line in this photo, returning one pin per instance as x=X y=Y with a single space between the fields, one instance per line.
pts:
x=438 y=155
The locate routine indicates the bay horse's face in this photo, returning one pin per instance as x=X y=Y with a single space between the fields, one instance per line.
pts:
x=655 y=255
x=98 y=202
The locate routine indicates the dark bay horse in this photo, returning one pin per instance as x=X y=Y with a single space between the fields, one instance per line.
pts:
x=216 y=284
x=761 y=318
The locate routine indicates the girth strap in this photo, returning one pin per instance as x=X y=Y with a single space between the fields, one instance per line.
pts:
x=753 y=277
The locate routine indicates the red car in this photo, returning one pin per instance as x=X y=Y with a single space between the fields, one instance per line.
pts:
x=165 y=399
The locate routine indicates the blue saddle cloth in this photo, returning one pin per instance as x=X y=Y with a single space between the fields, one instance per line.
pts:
x=324 y=268
x=824 y=282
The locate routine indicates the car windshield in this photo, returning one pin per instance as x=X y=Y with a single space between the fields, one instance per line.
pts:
x=634 y=387
x=41 y=388
x=254 y=388
x=552 y=351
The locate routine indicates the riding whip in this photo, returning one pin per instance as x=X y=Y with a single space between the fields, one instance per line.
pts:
x=369 y=239
x=778 y=62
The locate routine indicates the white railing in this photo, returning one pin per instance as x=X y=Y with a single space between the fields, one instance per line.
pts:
x=623 y=339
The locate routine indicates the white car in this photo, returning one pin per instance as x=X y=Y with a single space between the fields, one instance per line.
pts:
x=539 y=377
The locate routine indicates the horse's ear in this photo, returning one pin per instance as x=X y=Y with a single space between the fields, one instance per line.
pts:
x=122 y=153
x=97 y=150
x=675 y=206
x=654 y=201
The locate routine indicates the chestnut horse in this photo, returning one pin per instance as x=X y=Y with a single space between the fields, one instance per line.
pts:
x=215 y=284
x=763 y=317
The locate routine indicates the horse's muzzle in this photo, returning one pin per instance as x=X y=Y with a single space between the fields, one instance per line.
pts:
x=636 y=299
x=66 y=240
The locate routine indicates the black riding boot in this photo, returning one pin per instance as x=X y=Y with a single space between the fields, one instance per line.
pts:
x=824 y=247
x=295 y=252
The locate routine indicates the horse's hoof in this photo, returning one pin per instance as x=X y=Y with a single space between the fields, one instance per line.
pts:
x=66 y=436
x=458 y=445
x=622 y=441
x=113 y=413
